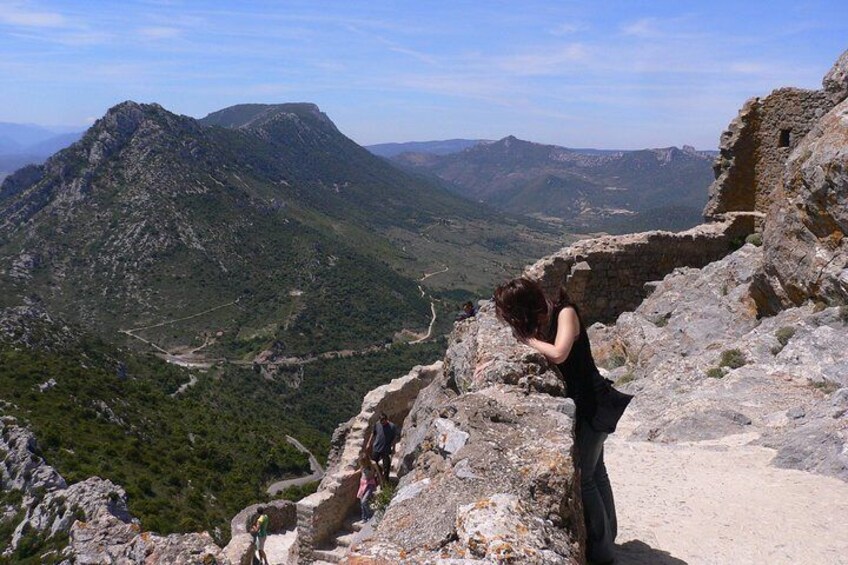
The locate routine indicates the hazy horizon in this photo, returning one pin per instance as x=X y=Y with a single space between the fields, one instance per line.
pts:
x=604 y=75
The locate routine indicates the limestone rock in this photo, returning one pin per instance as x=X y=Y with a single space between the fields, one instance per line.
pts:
x=490 y=474
x=806 y=253
x=835 y=82
x=704 y=367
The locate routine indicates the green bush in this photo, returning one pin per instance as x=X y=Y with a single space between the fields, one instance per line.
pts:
x=755 y=239
x=715 y=373
x=615 y=361
x=732 y=358
x=784 y=334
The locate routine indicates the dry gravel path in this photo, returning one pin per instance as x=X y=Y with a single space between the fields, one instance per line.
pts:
x=720 y=502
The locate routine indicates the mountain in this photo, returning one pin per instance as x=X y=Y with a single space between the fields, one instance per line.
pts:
x=588 y=190
x=260 y=226
x=443 y=147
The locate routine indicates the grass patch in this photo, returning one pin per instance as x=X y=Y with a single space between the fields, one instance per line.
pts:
x=783 y=336
x=827 y=387
x=615 y=361
x=384 y=497
x=625 y=378
x=732 y=358
x=715 y=373
x=755 y=239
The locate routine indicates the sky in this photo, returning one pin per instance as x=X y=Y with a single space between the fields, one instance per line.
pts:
x=607 y=74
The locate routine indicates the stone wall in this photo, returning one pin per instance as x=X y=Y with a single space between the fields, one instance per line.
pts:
x=283 y=518
x=323 y=513
x=756 y=145
x=607 y=276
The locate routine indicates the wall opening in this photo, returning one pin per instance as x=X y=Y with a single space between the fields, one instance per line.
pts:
x=785 y=137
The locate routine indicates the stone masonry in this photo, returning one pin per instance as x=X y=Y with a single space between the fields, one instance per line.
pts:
x=323 y=513
x=757 y=143
x=607 y=275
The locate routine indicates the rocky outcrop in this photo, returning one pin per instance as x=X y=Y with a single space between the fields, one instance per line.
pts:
x=92 y=513
x=607 y=275
x=806 y=252
x=488 y=461
x=704 y=366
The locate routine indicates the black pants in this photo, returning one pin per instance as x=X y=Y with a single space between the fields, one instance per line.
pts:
x=598 y=503
x=384 y=459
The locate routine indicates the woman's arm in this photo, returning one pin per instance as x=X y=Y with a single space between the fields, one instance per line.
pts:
x=568 y=330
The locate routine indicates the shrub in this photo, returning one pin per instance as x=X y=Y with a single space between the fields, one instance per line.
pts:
x=615 y=361
x=715 y=373
x=827 y=387
x=755 y=239
x=384 y=497
x=784 y=334
x=732 y=358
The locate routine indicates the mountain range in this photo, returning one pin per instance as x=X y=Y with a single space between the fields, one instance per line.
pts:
x=283 y=231
x=24 y=144
x=587 y=190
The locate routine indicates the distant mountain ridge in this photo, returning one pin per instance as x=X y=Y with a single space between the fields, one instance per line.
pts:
x=287 y=232
x=26 y=144
x=441 y=147
x=587 y=189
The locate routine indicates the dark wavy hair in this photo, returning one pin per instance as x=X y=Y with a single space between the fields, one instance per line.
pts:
x=522 y=304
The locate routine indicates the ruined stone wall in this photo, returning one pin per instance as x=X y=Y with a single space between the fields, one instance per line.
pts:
x=756 y=146
x=321 y=514
x=606 y=276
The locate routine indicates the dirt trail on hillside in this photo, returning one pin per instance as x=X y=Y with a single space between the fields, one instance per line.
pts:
x=720 y=502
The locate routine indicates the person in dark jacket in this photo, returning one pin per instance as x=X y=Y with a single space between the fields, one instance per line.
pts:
x=381 y=445
x=555 y=330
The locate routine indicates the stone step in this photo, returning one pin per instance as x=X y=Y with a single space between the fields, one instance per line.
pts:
x=345 y=539
x=334 y=555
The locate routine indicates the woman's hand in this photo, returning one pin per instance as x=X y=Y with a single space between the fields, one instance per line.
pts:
x=568 y=330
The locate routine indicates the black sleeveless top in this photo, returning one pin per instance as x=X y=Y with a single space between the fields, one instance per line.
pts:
x=582 y=377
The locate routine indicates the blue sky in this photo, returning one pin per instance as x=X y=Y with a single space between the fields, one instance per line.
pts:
x=607 y=74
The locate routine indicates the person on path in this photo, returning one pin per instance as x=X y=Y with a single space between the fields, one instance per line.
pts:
x=555 y=330
x=369 y=478
x=381 y=445
x=260 y=533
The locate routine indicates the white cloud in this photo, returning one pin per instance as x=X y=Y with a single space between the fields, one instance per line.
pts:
x=18 y=14
x=545 y=61
x=645 y=27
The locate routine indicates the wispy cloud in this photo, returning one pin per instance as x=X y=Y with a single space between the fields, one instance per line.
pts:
x=566 y=28
x=545 y=60
x=20 y=14
x=160 y=32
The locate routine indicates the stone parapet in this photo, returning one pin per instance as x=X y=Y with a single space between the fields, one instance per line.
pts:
x=606 y=276
x=323 y=513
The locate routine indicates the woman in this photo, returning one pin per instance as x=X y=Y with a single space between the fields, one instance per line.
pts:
x=368 y=481
x=555 y=330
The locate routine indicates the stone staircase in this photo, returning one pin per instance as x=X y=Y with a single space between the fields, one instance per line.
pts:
x=337 y=548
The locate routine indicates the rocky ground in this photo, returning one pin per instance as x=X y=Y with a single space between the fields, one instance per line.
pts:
x=729 y=409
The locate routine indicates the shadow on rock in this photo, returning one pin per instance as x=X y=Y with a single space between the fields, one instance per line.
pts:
x=636 y=552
